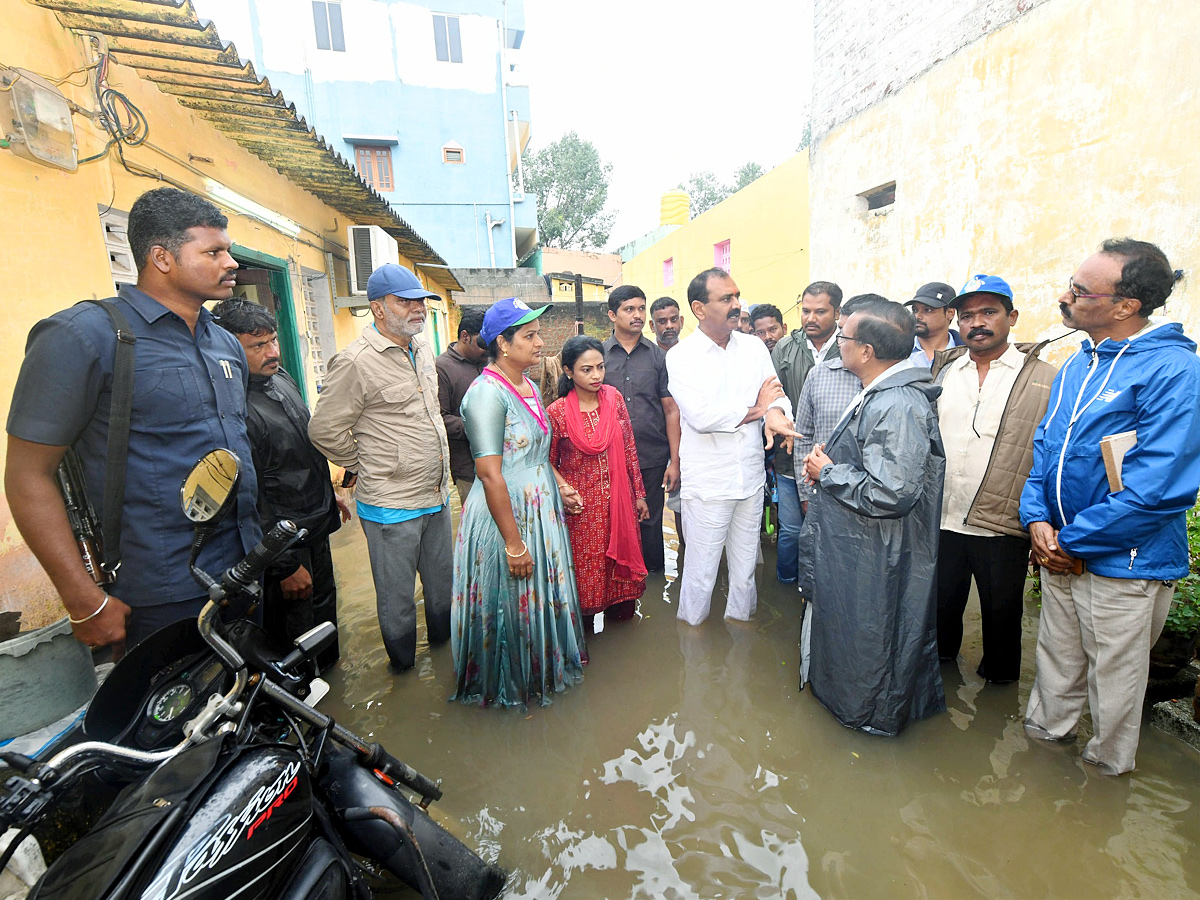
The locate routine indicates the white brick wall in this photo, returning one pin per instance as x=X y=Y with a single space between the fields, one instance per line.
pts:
x=867 y=49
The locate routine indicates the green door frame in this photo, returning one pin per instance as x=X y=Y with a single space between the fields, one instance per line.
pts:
x=285 y=315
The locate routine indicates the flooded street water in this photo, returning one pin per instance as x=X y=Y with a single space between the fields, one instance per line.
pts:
x=688 y=765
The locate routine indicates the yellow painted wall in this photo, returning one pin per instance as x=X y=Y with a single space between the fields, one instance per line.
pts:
x=765 y=222
x=1019 y=155
x=54 y=252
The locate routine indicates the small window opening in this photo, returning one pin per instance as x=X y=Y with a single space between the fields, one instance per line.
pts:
x=878 y=198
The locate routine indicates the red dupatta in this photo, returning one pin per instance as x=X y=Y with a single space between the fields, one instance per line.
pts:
x=624 y=545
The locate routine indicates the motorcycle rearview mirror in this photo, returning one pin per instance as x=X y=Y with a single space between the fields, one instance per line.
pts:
x=205 y=497
x=210 y=487
x=308 y=646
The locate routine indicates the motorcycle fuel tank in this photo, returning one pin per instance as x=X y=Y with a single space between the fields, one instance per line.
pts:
x=245 y=836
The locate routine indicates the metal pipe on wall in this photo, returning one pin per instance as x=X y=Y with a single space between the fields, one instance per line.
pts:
x=579 y=304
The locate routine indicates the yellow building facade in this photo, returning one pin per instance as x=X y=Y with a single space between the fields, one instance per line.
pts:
x=1016 y=154
x=64 y=228
x=762 y=231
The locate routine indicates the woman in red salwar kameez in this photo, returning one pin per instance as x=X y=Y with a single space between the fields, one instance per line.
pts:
x=592 y=448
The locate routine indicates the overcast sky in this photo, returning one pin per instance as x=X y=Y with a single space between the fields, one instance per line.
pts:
x=667 y=87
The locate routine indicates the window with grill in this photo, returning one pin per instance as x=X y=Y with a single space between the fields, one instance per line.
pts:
x=374 y=164
x=116 y=240
x=447 y=40
x=327 y=20
x=669 y=272
x=452 y=154
x=721 y=255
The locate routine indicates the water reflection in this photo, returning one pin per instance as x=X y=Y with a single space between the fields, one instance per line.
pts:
x=688 y=765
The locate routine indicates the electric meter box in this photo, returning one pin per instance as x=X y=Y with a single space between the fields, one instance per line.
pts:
x=35 y=118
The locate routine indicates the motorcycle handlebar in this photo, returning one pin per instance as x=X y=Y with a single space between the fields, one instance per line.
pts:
x=249 y=570
x=378 y=758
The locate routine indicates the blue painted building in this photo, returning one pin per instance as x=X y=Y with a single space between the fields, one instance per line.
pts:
x=427 y=101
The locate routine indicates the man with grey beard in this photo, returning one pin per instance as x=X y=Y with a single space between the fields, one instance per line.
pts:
x=378 y=417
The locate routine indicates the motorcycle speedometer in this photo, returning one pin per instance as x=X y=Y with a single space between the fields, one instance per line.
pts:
x=171 y=703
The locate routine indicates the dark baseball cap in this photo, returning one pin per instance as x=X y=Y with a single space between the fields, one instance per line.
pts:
x=934 y=294
x=397 y=281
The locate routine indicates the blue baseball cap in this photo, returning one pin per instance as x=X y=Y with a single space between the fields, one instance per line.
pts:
x=985 y=284
x=398 y=281
x=505 y=314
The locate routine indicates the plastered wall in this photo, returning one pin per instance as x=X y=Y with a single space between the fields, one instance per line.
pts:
x=1018 y=155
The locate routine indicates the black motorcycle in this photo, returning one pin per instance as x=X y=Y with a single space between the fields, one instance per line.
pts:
x=236 y=786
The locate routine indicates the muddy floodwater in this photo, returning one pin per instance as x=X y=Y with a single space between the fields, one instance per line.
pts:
x=688 y=765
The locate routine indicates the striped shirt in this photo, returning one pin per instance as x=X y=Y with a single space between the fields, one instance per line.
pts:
x=828 y=390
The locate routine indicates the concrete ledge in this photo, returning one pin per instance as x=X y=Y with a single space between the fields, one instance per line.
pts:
x=1175 y=717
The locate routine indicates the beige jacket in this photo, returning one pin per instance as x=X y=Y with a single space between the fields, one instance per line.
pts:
x=997 y=505
x=378 y=417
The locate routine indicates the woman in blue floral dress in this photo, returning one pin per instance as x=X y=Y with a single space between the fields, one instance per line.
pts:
x=515 y=627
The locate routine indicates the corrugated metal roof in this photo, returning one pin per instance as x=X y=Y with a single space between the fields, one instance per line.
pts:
x=185 y=57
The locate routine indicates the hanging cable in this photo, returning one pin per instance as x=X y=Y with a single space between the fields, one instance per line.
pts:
x=119 y=116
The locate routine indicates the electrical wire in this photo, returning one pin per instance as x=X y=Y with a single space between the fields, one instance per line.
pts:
x=17 y=75
x=122 y=119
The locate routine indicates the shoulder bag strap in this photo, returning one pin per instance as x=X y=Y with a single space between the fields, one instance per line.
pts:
x=120 y=415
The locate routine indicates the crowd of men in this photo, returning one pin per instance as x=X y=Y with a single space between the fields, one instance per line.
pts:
x=924 y=457
x=911 y=458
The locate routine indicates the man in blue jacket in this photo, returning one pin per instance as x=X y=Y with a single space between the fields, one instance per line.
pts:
x=1110 y=551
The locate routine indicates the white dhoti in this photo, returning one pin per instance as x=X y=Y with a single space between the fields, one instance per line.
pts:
x=711 y=526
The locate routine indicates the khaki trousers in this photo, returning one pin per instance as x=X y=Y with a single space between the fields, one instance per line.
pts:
x=1094 y=642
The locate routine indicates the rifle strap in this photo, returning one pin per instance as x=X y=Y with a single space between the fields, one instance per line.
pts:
x=119 y=418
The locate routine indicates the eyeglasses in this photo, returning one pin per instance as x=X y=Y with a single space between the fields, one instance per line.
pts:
x=842 y=336
x=1074 y=290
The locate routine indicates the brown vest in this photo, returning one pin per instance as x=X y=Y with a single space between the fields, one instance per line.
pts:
x=997 y=505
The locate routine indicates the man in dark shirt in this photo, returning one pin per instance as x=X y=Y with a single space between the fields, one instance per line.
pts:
x=189 y=397
x=638 y=369
x=456 y=369
x=665 y=322
x=293 y=483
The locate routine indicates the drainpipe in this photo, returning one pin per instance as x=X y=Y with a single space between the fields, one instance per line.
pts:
x=491 y=223
x=516 y=133
x=508 y=186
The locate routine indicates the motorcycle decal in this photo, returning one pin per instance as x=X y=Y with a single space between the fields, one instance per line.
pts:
x=210 y=849
x=168 y=886
x=287 y=792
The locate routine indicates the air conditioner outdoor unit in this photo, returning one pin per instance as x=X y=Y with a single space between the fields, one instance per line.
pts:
x=370 y=248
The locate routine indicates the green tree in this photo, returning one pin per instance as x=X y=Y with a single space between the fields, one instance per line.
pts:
x=751 y=171
x=571 y=185
x=805 y=136
x=704 y=190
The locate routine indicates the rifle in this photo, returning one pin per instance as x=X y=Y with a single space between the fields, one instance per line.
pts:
x=84 y=522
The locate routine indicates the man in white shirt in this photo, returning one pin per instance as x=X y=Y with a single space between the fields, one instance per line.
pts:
x=728 y=396
x=930 y=307
x=994 y=393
